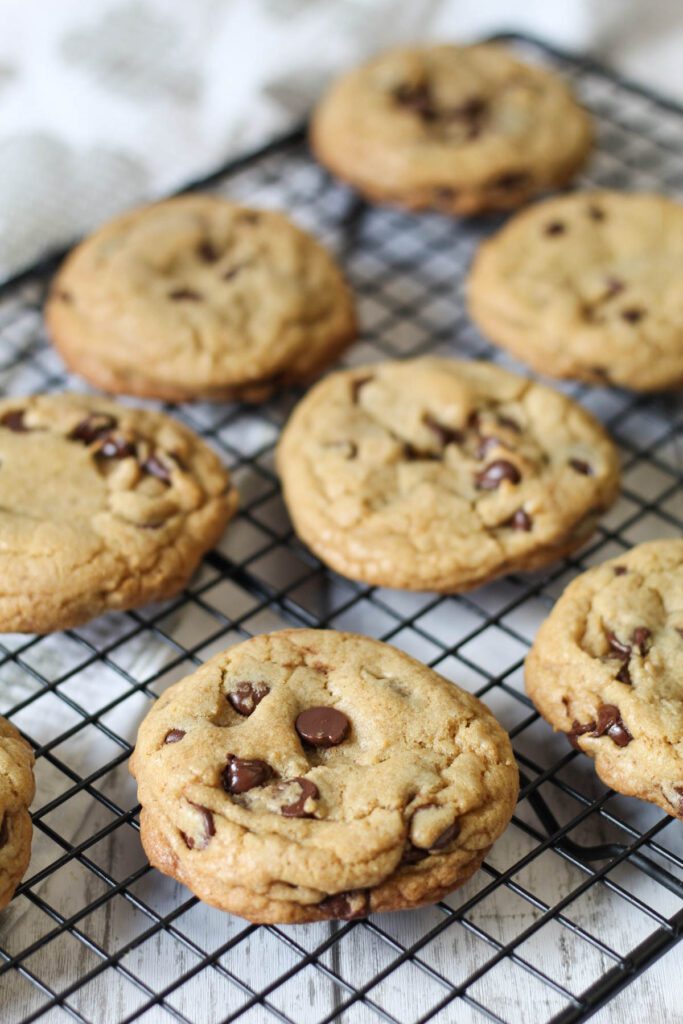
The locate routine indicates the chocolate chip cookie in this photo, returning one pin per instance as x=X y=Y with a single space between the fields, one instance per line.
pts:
x=607 y=669
x=101 y=507
x=461 y=129
x=436 y=474
x=16 y=793
x=309 y=774
x=588 y=286
x=199 y=298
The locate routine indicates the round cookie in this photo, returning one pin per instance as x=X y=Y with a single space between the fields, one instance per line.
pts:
x=309 y=774
x=462 y=129
x=588 y=286
x=101 y=507
x=197 y=297
x=607 y=669
x=437 y=474
x=16 y=793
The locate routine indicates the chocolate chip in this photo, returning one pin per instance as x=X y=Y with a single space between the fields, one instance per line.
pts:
x=63 y=295
x=309 y=791
x=241 y=774
x=356 y=386
x=247 y=696
x=555 y=227
x=14 y=420
x=448 y=836
x=417 y=98
x=611 y=724
x=510 y=180
x=446 y=435
x=509 y=424
x=174 y=736
x=346 y=906
x=641 y=635
x=618 y=648
x=521 y=520
x=579 y=730
x=184 y=295
x=413 y=854
x=595 y=213
x=207 y=252
x=492 y=476
x=93 y=427
x=322 y=727
x=624 y=674
x=613 y=287
x=620 y=570
x=633 y=315
x=155 y=467
x=4 y=830
x=114 y=447
x=208 y=829
x=581 y=467
x=413 y=454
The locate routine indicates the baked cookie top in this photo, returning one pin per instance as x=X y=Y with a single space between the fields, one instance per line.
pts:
x=589 y=285
x=16 y=793
x=464 y=128
x=439 y=474
x=310 y=774
x=198 y=296
x=101 y=507
x=607 y=669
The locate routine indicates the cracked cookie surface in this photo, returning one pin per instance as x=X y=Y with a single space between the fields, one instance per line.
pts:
x=588 y=286
x=462 y=129
x=102 y=507
x=311 y=774
x=606 y=669
x=16 y=793
x=197 y=297
x=438 y=474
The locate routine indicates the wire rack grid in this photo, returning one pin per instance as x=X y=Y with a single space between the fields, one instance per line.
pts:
x=582 y=894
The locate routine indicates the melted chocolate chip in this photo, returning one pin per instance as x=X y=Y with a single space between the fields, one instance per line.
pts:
x=14 y=420
x=174 y=736
x=207 y=253
x=413 y=854
x=611 y=724
x=93 y=427
x=309 y=791
x=613 y=286
x=155 y=467
x=633 y=315
x=555 y=227
x=356 y=386
x=241 y=774
x=624 y=675
x=208 y=829
x=446 y=435
x=413 y=454
x=114 y=447
x=579 y=730
x=510 y=180
x=641 y=635
x=620 y=570
x=416 y=97
x=492 y=476
x=4 y=830
x=247 y=696
x=581 y=467
x=521 y=520
x=595 y=213
x=322 y=727
x=184 y=295
x=346 y=906
x=448 y=836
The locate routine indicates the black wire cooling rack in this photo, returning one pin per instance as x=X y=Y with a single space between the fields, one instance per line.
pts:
x=582 y=894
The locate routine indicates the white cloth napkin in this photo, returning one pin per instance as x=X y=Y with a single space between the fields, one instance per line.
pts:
x=112 y=102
